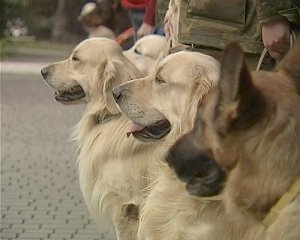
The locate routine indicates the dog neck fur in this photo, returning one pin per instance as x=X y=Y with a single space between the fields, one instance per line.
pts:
x=101 y=123
x=262 y=154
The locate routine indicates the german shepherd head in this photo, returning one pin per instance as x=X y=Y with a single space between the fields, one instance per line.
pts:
x=249 y=128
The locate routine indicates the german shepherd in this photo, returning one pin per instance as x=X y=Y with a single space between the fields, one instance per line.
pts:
x=250 y=126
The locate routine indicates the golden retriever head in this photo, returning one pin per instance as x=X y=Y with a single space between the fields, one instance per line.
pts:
x=251 y=124
x=147 y=52
x=166 y=100
x=89 y=74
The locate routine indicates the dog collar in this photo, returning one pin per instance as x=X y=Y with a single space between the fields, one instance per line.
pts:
x=285 y=199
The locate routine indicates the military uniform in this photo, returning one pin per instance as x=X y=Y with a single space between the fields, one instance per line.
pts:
x=160 y=12
x=211 y=24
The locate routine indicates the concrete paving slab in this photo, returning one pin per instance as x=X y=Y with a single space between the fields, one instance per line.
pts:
x=40 y=196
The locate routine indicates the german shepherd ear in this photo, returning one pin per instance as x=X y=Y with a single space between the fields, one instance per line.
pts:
x=239 y=102
x=290 y=65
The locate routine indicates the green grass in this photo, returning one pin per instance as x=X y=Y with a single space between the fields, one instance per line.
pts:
x=2 y=50
x=9 y=46
x=31 y=43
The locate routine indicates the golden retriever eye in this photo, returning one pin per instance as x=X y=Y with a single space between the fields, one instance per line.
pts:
x=159 y=81
x=75 y=59
x=137 y=52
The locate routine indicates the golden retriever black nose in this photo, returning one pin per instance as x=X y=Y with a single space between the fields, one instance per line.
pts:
x=117 y=93
x=44 y=72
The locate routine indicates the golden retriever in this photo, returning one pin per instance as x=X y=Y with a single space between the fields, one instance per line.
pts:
x=251 y=124
x=115 y=171
x=147 y=52
x=112 y=174
x=162 y=107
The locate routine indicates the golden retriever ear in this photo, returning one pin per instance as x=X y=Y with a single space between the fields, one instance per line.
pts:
x=111 y=79
x=239 y=103
x=117 y=71
x=290 y=65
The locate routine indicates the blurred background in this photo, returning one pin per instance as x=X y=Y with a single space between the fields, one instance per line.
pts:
x=39 y=28
x=54 y=23
x=40 y=195
x=42 y=20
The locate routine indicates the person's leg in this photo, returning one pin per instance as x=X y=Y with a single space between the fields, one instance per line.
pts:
x=136 y=17
x=159 y=31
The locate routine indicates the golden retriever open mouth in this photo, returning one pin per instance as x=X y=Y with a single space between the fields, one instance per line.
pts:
x=156 y=131
x=72 y=94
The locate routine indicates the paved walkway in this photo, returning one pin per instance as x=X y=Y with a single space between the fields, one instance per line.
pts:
x=40 y=196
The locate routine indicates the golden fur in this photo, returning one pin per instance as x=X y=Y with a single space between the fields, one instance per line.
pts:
x=110 y=185
x=115 y=171
x=147 y=52
x=179 y=82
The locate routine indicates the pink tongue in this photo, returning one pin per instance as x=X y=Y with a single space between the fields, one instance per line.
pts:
x=134 y=127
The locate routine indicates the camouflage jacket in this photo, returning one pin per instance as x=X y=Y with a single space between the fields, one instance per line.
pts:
x=160 y=12
x=214 y=23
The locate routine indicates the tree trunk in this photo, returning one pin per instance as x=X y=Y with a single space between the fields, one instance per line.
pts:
x=66 y=27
